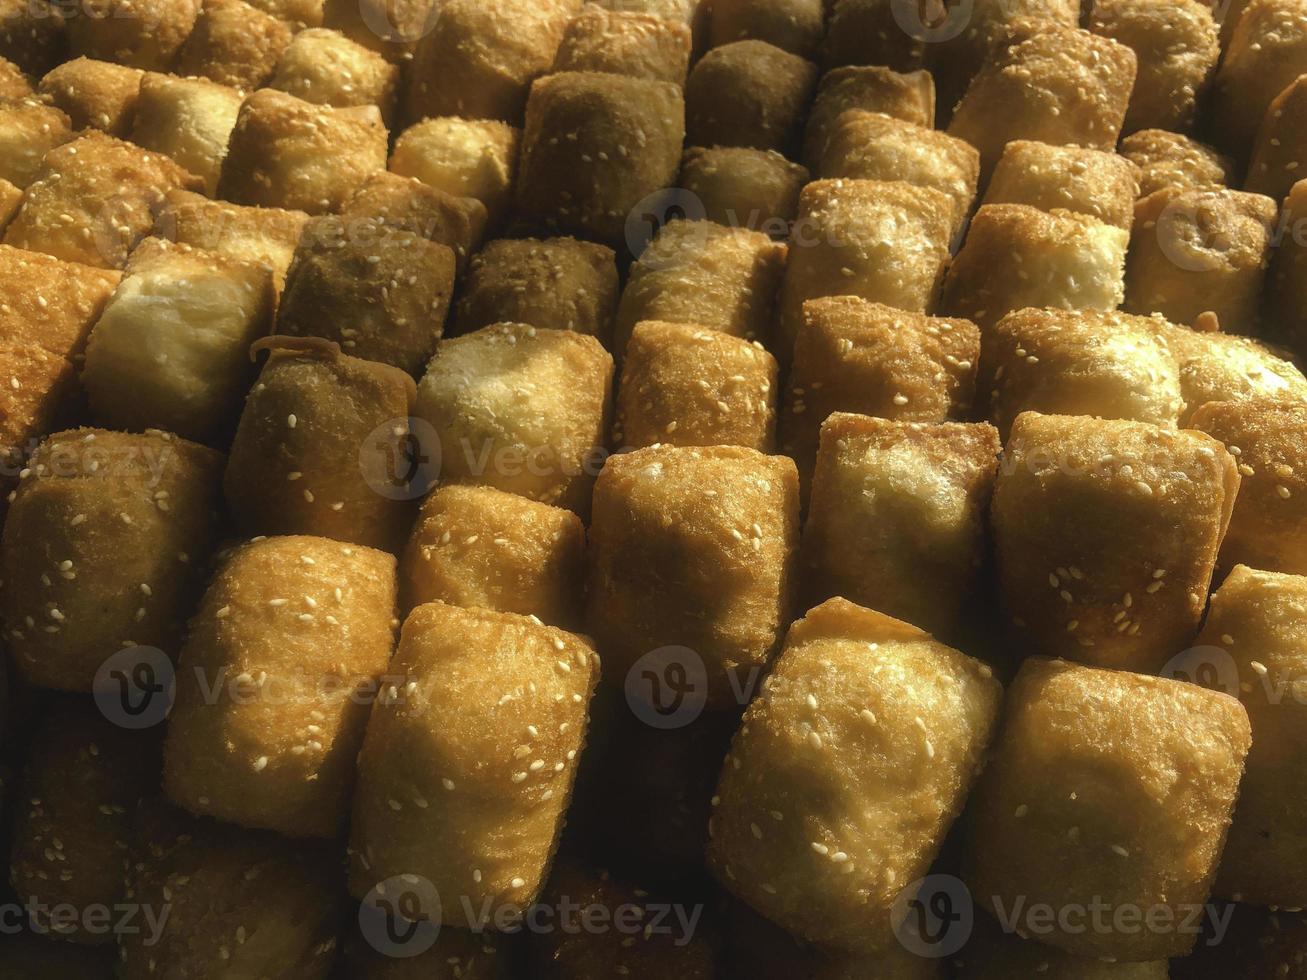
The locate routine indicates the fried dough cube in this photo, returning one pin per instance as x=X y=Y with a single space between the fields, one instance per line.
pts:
x=694 y=547
x=28 y=130
x=288 y=153
x=1106 y=534
x=1218 y=367
x=247 y=234
x=873 y=359
x=50 y=303
x=886 y=242
x=1265 y=53
x=1016 y=256
x=302 y=629
x=1080 y=362
x=861 y=715
x=625 y=43
x=143 y=34
x=84 y=777
x=325 y=67
x=1281 y=145
x=407 y=204
x=1172 y=160
x=1267 y=530
x=10 y=199
x=120 y=525
x=1069 y=178
x=234 y=44
x=692 y=13
x=474 y=158
x=562 y=283
x=94 y=94
x=14 y=85
x=481 y=56
x=520 y=409
x=171 y=349
x=897 y=518
x=382 y=294
x=1176 y=46
x=318 y=447
x=627 y=145
x=1059 y=85
x=874 y=146
x=297 y=14
x=392 y=28
x=189 y=120
x=1200 y=251
x=1286 y=301
x=683 y=385
x=457 y=954
x=34 y=36
x=745 y=188
x=94 y=199
x=908 y=96
x=867 y=32
x=38 y=391
x=697 y=272
x=796 y=26
x=240 y=903
x=1257 y=943
x=477 y=546
x=465 y=777
x=748 y=93
x=1107 y=787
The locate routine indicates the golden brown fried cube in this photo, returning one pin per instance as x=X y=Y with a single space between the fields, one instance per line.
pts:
x=1060 y=85
x=296 y=632
x=1200 y=251
x=684 y=385
x=748 y=93
x=407 y=204
x=1216 y=367
x=694 y=547
x=1286 y=287
x=1080 y=362
x=320 y=448
x=94 y=94
x=627 y=145
x=796 y=26
x=744 y=188
x=93 y=199
x=84 y=777
x=873 y=146
x=50 y=303
x=481 y=547
x=1016 y=256
x=868 y=32
x=234 y=44
x=102 y=549
x=1264 y=54
x=288 y=153
x=264 y=235
x=139 y=33
x=561 y=283
x=189 y=120
x=625 y=43
x=696 y=272
x=325 y=67
x=1171 y=160
x=239 y=903
x=392 y=28
x=1281 y=146
x=34 y=36
x=861 y=713
x=381 y=293
x=296 y=14
x=14 y=85
x=873 y=88
x=1069 y=178
x=886 y=242
x=897 y=517
x=1269 y=442
x=1106 y=534
x=1255 y=629
x=481 y=56
x=1176 y=46
x=28 y=130
x=521 y=409
x=171 y=349
x=38 y=391
x=474 y=158
x=1111 y=788
x=467 y=766
x=873 y=359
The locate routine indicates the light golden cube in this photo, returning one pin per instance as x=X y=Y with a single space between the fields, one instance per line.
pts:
x=1069 y=178
x=1216 y=367
x=29 y=129
x=625 y=43
x=234 y=44
x=474 y=158
x=407 y=204
x=189 y=120
x=325 y=67
x=1171 y=160
x=94 y=94
x=50 y=303
x=908 y=96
